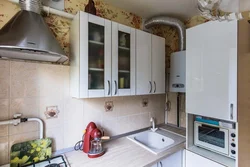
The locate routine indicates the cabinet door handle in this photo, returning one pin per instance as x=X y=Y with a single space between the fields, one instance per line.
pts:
x=155 y=87
x=116 y=88
x=231 y=111
x=161 y=163
x=150 y=87
x=109 y=87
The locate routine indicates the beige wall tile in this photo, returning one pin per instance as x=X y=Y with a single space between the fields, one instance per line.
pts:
x=28 y=107
x=123 y=124
x=24 y=79
x=56 y=134
x=93 y=110
x=134 y=122
x=51 y=79
x=73 y=121
x=4 y=79
x=111 y=127
x=4 y=115
x=129 y=105
x=72 y=133
x=23 y=128
x=4 y=130
x=4 y=109
x=4 y=148
x=172 y=114
x=144 y=120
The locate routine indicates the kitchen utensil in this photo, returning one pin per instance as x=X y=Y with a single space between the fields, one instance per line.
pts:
x=122 y=40
x=121 y=83
x=96 y=36
x=32 y=151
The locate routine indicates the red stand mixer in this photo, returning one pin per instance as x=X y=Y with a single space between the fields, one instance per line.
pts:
x=92 y=141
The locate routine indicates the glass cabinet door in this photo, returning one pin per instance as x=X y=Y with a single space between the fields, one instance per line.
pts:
x=123 y=60
x=96 y=57
x=124 y=57
x=99 y=57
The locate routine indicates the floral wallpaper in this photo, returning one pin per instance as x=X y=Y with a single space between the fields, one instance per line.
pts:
x=60 y=26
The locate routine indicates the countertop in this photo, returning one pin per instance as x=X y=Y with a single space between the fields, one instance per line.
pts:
x=122 y=153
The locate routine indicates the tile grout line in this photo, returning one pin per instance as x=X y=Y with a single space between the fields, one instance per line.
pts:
x=9 y=104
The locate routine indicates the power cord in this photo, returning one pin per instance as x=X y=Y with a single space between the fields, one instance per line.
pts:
x=79 y=145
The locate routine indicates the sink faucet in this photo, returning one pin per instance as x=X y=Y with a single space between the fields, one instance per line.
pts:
x=153 y=124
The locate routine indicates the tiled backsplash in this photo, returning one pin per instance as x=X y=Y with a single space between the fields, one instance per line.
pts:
x=29 y=88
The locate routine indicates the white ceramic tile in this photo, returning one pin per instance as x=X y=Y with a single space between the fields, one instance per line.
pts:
x=4 y=148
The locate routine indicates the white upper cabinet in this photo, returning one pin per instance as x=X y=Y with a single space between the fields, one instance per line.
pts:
x=158 y=64
x=103 y=59
x=90 y=56
x=143 y=63
x=195 y=160
x=123 y=60
x=211 y=66
x=150 y=64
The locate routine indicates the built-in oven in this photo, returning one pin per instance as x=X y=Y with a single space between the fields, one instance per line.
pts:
x=215 y=138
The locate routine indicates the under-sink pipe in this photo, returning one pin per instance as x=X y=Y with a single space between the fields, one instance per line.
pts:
x=11 y=122
x=50 y=10
x=17 y=121
x=40 y=125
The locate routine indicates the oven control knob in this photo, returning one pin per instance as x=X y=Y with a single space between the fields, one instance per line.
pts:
x=233 y=152
x=233 y=135
x=233 y=145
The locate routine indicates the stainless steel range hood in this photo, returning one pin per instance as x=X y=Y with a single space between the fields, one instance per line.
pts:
x=26 y=36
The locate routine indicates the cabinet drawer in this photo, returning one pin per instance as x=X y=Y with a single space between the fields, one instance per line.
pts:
x=195 y=160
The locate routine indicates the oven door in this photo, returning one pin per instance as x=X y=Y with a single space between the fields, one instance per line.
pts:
x=211 y=137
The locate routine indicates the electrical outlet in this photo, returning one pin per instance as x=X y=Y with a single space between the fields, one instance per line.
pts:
x=109 y=106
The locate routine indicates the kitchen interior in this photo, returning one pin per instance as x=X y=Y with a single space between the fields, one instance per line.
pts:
x=124 y=83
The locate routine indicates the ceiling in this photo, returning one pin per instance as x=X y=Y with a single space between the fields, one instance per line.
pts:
x=182 y=9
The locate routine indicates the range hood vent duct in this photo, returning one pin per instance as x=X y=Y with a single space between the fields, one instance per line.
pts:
x=169 y=21
x=26 y=36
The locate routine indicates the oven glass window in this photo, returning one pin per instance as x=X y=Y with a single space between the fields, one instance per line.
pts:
x=212 y=136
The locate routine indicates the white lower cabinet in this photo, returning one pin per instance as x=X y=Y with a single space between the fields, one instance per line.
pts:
x=174 y=160
x=195 y=160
